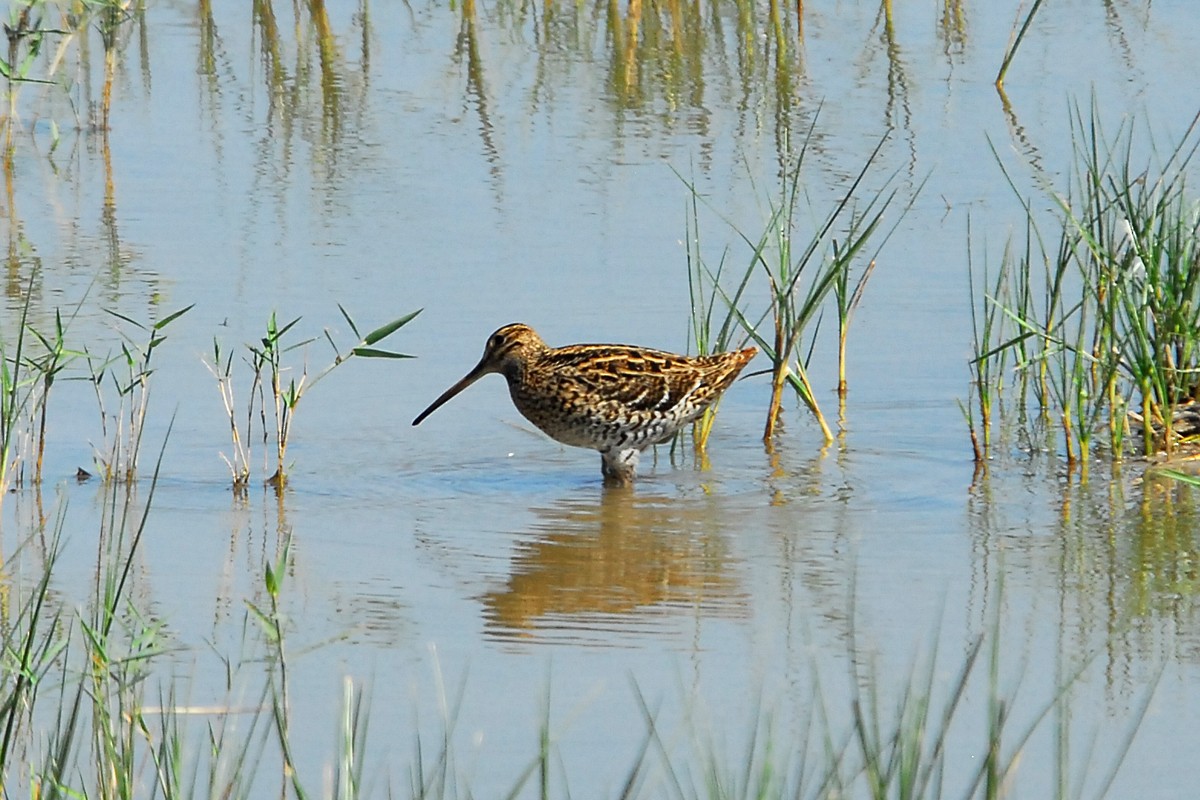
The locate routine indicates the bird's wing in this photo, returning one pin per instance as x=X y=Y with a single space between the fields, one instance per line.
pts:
x=637 y=380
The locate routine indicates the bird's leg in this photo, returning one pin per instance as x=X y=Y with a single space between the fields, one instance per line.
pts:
x=619 y=466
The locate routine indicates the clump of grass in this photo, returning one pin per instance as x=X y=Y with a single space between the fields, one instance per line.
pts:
x=122 y=386
x=271 y=619
x=848 y=299
x=987 y=366
x=800 y=273
x=87 y=710
x=32 y=647
x=892 y=738
x=270 y=373
x=120 y=643
x=709 y=332
x=46 y=368
x=1118 y=321
x=238 y=461
x=25 y=383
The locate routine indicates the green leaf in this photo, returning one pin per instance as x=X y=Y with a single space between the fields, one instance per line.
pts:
x=46 y=343
x=120 y=316
x=274 y=332
x=96 y=640
x=263 y=619
x=165 y=321
x=286 y=328
x=387 y=330
x=349 y=321
x=371 y=352
x=1175 y=474
x=299 y=345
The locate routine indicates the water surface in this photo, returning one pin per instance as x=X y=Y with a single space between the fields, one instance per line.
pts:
x=495 y=163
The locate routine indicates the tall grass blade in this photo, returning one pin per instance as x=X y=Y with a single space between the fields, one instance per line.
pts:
x=1011 y=52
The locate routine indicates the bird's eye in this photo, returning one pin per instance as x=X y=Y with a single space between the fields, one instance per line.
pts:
x=495 y=341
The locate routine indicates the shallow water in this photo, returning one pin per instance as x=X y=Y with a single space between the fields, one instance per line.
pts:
x=510 y=166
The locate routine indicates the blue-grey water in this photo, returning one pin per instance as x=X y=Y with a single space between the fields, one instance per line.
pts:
x=498 y=162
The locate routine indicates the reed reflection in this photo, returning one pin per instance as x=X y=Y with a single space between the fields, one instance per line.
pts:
x=615 y=564
x=467 y=47
x=897 y=110
x=952 y=29
x=20 y=261
x=674 y=59
x=1124 y=571
x=314 y=94
x=672 y=51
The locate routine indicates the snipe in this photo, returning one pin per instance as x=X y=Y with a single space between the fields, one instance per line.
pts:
x=608 y=397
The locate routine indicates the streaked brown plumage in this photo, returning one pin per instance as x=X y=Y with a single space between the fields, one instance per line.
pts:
x=608 y=397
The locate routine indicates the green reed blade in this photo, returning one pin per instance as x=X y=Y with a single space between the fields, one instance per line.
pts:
x=167 y=320
x=387 y=330
x=371 y=352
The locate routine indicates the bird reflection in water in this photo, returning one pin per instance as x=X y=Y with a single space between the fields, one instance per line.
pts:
x=615 y=564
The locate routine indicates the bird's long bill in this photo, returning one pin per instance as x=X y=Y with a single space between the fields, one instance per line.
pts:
x=472 y=376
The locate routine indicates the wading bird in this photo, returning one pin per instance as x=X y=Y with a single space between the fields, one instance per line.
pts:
x=608 y=397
